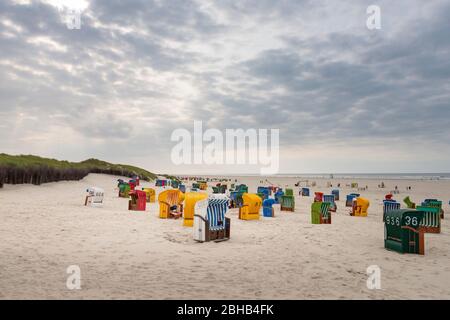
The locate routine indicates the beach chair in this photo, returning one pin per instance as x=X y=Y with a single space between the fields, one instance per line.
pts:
x=435 y=204
x=132 y=184
x=320 y=213
x=318 y=196
x=136 y=180
x=150 y=194
x=335 y=192
x=331 y=200
x=350 y=197
x=202 y=185
x=359 y=207
x=409 y=203
x=190 y=199
x=403 y=231
x=250 y=207
x=138 y=200
x=210 y=223
x=305 y=192
x=170 y=204
x=268 y=210
x=431 y=222
x=124 y=190
x=277 y=195
x=388 y=206
x=236 y=200
x=161 y=183
x=263 y=192
x=174 y=184
x=94 y=197
x=287 y=202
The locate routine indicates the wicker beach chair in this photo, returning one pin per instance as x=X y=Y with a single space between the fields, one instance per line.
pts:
x=138 y=200
x=250 y=207
x=210 y=223
x=190 y=199
x=320 y=213
x=94 y=197
x=170 y=204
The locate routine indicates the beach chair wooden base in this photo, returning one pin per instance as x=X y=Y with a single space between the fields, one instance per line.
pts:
x=218 y=235
x=287 y=209
x=325 y=221
x=431 y=229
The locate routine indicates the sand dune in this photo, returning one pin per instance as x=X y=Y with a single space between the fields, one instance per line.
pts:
x=124 y=254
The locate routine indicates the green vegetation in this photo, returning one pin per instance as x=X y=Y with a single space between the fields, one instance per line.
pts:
x=37 y=170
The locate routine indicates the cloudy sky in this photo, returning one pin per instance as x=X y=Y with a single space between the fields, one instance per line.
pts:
x=345 y=98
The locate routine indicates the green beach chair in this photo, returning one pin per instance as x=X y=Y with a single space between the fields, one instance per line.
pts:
x=287 y=203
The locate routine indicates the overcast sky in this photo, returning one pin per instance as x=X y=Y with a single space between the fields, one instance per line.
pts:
x=345 y=98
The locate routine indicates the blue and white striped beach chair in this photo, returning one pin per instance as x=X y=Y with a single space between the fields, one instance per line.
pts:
x=210 y=222
x=330 y=199
x=390 y=205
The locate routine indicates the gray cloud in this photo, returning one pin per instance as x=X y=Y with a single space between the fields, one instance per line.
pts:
x=137 y=70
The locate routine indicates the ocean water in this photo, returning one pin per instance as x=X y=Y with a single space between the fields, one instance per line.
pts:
x=374 y=176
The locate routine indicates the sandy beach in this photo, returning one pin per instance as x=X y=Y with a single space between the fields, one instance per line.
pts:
x=135 y=255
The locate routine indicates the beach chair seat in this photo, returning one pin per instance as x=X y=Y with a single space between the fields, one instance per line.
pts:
x=138 y=200
x=250 y=207
x=210 y=223
x=170 y=204
x=94 y=197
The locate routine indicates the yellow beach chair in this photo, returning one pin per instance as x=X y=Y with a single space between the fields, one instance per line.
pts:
x=360 y=206
x=150 y=194
x=251 y=206
x=190 y=199
x=171 y=204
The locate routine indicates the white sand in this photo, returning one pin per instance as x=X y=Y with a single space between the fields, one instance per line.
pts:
x=125 y=254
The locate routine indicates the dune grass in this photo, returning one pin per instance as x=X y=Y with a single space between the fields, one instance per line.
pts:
x=36 y=170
